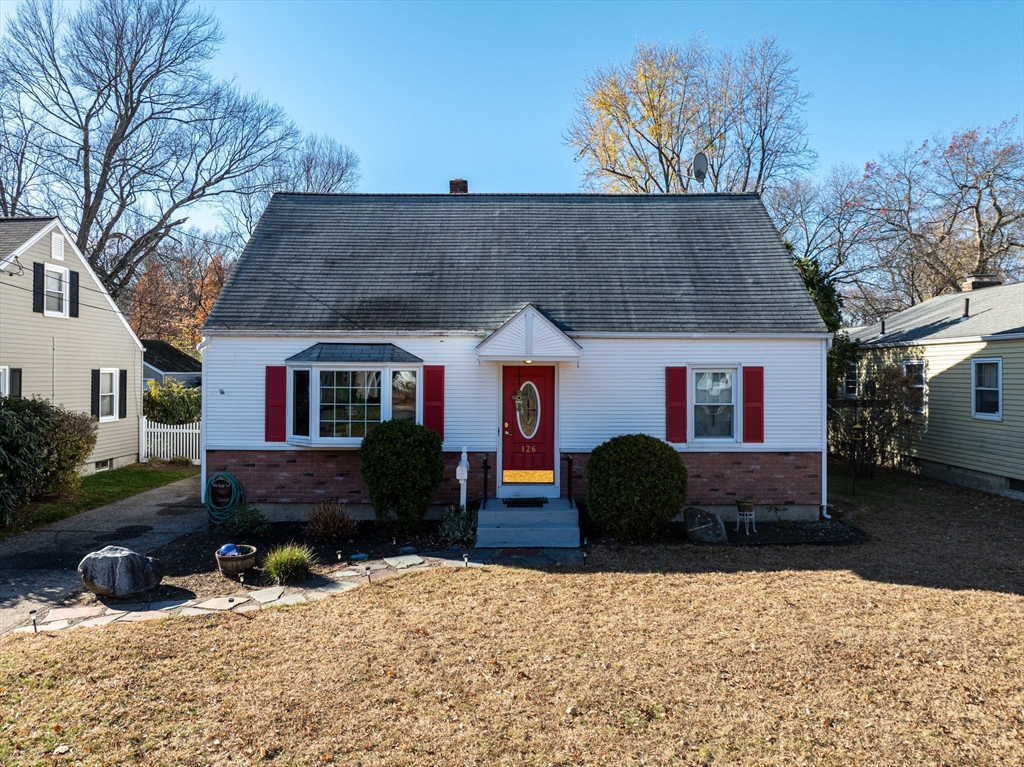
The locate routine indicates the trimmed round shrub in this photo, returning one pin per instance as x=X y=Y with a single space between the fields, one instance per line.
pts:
x=289 y=563
x=636 y=485
x=402 y=465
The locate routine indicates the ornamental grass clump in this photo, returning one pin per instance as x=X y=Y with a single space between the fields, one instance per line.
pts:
x=636 y=485
x=329 y=521
x=289 y=563
x=402 y=465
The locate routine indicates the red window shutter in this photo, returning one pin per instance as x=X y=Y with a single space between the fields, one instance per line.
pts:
x=275 y=423
x=433 y=398
x=675 y=404
x=753 y=404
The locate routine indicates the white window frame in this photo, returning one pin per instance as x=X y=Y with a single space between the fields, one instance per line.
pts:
x=854 y=371
x=692 y=405
x=998 y=361
x=314 y=439
x=924 y=382
x=57 y=251
x=65 y=293
x=5 y=380
x=116 y=377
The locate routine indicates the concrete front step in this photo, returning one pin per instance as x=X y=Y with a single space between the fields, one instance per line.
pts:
x=548 y=537
x=529 y=517
x=555 y=525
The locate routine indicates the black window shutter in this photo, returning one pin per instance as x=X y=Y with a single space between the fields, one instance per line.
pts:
x=38 y=281
x=14 y=383
x=122 y=396
x=96 y=394
x=73 y=303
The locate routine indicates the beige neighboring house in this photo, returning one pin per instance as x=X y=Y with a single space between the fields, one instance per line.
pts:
x=966 y=353
x=63 y=339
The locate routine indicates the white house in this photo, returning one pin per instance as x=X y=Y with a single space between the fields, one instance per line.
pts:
x=528 y=329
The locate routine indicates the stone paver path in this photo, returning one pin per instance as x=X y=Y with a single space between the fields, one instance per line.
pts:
x=63 y=618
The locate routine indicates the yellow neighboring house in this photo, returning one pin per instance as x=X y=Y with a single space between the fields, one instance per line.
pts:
x=966 y=352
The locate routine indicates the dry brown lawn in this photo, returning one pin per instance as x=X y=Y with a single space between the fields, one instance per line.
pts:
x=908 y=650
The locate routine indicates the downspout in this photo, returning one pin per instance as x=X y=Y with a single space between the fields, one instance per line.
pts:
x=824 y=431
x=53 y=370
x=202 y=423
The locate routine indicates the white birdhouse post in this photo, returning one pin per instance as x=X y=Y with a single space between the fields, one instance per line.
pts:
x=462 y=474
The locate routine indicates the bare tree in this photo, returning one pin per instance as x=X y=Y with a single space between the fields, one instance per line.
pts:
x=124 y=126
x=17 y=172
x=638 y=125
x=319 y=165
x=939 y=212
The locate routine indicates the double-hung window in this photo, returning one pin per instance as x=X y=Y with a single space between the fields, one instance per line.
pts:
x=5 y=385
x=340 y=406
x=108 y=394
x=987 y=388
x=850 y=382
x=714 y=404
x=914 y=372
x=55 y=291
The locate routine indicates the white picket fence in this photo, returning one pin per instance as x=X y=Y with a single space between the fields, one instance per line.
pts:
x=167 y=441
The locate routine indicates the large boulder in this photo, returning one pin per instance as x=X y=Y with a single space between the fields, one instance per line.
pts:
x=118 y=572
x=703 y=526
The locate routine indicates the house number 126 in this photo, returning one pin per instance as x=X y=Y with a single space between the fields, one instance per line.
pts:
x=529 y=448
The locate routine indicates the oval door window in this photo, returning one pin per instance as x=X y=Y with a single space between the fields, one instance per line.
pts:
x=528 y=409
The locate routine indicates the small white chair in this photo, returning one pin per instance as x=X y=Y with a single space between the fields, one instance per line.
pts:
x=747 y=518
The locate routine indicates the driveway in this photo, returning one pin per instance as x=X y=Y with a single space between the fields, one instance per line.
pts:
x=40 y=569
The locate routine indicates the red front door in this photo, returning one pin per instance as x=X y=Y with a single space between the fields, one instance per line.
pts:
x=528 y=421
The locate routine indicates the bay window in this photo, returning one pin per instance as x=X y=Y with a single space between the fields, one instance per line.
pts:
x=339 y=406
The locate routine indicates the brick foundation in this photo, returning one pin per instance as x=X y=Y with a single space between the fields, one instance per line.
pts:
x=718 y=479
x=307 y=476
x=715 y=479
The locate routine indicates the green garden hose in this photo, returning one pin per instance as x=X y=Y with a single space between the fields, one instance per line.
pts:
x=221 y=514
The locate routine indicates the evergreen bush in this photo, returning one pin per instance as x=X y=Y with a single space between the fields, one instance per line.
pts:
x=42 y=447
x=636 y=485
x=458 y=526
x=172 y=402
x=402 y=465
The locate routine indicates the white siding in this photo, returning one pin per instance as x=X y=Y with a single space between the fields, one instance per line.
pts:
x=234 y=420
x=617 y=387
x=621 y=386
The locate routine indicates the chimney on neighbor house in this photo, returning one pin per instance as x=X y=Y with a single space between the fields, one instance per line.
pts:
x=458 y=186
x=979 y=281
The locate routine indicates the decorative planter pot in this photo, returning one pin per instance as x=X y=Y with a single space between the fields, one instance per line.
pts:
x=239 y=564
x=745 y=505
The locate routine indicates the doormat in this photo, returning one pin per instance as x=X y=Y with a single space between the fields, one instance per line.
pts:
x=525 y=503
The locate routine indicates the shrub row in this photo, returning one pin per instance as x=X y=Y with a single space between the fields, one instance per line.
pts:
x=41 y=449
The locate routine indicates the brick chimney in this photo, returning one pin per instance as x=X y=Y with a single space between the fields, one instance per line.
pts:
x=458 y=186
x=979 y=281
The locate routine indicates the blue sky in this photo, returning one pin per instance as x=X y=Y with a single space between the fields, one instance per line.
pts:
x=424 y=92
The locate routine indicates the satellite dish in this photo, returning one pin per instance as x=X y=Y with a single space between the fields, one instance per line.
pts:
x=700 y=167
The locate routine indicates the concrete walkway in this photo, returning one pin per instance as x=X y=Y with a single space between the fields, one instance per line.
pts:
x=364 y=573
x=39 y=569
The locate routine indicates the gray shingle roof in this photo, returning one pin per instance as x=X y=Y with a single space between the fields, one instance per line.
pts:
x=700 y=263
x=354 y=353
x=169 y=359
x=993 y=311
x=15 y=232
